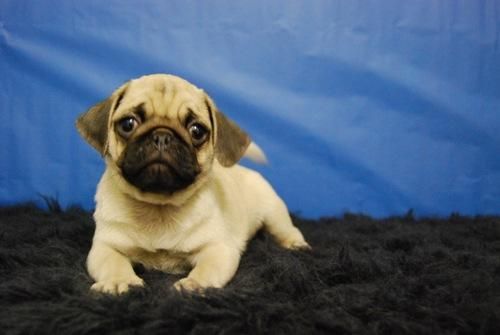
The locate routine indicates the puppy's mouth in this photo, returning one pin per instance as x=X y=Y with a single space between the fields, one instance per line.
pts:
x=160 y=175
x=157 y=165
x=158 y=169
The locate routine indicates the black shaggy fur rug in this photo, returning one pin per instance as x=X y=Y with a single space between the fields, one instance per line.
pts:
x=363 y=276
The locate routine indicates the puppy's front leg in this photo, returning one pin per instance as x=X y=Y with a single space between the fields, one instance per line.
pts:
x=214 y=266
x=111 y=270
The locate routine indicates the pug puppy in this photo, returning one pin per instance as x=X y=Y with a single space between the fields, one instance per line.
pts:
x=172 y=196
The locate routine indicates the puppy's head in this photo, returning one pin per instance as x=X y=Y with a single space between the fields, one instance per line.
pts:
x=161 y=134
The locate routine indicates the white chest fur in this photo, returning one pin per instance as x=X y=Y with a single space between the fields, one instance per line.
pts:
x=128 y=224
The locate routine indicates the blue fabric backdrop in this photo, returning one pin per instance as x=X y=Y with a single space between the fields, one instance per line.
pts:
x=369 y=106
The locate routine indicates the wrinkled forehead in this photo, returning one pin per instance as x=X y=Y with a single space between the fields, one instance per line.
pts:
x=162 y=96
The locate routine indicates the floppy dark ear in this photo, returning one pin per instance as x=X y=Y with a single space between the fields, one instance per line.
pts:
x=231 y=141
x=93 y=124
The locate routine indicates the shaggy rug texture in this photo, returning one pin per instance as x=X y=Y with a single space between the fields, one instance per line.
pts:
x=398 y=275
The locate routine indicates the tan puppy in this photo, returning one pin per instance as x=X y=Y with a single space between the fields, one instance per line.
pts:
x=172 y=197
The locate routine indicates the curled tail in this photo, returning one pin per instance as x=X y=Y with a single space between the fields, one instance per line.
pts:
x=255 y=154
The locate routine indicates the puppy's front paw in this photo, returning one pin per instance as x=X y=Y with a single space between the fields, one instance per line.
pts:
x=299 y=244
x=188 y=285
x=116 y=285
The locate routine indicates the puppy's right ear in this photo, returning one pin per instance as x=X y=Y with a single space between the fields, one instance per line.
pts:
x=93 y=125
x=231 y=141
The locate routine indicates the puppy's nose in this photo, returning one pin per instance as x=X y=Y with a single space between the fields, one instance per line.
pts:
x=161 y=138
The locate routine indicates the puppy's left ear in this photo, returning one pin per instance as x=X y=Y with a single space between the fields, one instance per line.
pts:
x=231 y=141
x=93 y=125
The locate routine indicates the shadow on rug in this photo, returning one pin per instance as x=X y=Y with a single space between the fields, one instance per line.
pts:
x=399 y=275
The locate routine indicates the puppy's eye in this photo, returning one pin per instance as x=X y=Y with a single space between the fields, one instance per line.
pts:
x=198 y=133
x=126 y=126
